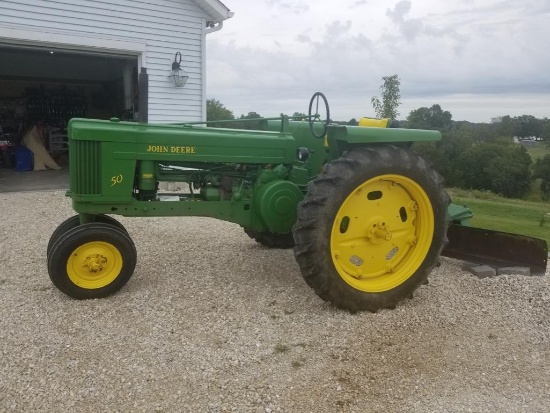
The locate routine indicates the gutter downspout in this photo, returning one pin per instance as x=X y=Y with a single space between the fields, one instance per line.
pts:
x=206 y=30
x=213 y=29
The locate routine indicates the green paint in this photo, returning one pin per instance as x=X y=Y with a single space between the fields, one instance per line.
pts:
x=252 y=178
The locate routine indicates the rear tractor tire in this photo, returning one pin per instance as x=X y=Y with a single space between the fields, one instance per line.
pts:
x=271 y=240
x=371 y=228
x=92 y=260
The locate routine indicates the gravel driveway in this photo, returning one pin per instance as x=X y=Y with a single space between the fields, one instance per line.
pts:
x=213 y=322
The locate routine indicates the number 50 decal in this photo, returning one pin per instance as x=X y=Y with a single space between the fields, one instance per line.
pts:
x=117 y=179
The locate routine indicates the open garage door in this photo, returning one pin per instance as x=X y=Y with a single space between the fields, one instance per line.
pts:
x=45 y=87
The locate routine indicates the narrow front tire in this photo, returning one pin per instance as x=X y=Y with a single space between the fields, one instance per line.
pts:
x=92 y=260
x=73 y=222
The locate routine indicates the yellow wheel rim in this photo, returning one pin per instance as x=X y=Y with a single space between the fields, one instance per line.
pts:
x=94 y=265
x=382 y=233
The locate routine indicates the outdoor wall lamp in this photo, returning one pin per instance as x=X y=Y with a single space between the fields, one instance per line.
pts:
x=178 y=75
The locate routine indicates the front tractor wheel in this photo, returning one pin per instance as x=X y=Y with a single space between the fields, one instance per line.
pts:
x=371 y=227
x=92 y=260
x=74 y=222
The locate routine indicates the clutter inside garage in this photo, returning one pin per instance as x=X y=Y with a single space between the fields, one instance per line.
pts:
x=42 y=89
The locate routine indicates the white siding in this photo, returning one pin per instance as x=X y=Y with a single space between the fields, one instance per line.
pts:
x=164 y=26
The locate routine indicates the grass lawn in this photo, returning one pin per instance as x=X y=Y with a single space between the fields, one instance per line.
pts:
x=538 y=150
x=508 y=215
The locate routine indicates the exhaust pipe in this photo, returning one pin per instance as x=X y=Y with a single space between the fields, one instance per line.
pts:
x=143 y=92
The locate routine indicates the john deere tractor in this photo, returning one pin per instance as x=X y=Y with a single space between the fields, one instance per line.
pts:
x=367 y=217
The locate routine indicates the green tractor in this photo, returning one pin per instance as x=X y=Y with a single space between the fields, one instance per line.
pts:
x=367 y=217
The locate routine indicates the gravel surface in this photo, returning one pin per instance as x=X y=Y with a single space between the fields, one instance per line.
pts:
x=213 y=322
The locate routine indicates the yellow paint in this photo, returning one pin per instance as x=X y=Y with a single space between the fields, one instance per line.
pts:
x=374 y=123
x=94 y=265
x=157 y=148
x=188 y=150
x=117 y=179
x=182 y=149
x=377 y=251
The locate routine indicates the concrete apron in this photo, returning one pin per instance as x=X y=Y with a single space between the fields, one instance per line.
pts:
x=49 y=180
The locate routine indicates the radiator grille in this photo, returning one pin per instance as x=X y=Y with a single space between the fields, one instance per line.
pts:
x=86 y=167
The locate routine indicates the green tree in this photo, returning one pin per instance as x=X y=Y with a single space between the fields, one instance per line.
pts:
x=215 y=111
x=457 y=138
x=253 y=125
x=454 y=143
x=545 y=130
x=432 y=150
x=391 y=98
x=527 y=126
x=504 y=126
x=430 y=118
x=542 y=171
x=488 y=133
x=511 y=172
x=501 y=167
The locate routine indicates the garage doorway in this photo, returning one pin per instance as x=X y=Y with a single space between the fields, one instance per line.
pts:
x=44 y=88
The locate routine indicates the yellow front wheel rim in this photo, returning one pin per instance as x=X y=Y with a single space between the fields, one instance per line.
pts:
x=382 y=233
x=94 y=265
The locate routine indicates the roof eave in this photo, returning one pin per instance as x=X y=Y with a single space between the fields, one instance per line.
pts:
x=215 y=9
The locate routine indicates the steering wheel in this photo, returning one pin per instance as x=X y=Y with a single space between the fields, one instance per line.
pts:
x=317 y=119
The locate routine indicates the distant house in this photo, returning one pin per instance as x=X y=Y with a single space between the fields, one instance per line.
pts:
x=528 y=142
x=65 y=58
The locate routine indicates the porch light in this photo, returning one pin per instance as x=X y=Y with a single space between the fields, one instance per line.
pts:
x=178 y=75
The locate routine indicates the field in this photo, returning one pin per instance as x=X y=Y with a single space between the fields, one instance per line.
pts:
x=538 y=150
x=508 y=215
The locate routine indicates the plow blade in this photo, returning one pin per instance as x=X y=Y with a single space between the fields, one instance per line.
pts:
x=496 y=249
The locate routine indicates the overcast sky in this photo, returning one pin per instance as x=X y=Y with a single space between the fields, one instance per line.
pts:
x=478 y=59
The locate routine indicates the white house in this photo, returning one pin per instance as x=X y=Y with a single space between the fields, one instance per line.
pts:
x=65 y=58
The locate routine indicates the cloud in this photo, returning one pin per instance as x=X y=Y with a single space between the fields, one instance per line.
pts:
x=338 y=29
x=399 y=11
x=303 y=38
x=471 y=49
x=409 y=28
x=296 y=7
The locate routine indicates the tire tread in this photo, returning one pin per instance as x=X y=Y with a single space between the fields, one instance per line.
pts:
x=309 y=230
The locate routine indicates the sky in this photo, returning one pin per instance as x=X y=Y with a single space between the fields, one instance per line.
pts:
x=478 y=59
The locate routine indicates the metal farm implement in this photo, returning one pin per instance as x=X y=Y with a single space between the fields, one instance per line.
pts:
x=367 y=217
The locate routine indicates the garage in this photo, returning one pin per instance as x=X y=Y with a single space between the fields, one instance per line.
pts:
x=68 y=58
x=45 y=87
